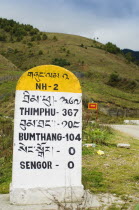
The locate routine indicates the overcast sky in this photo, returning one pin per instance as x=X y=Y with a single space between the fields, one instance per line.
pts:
x=109 y=20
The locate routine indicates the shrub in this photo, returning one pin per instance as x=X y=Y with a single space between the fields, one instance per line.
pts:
x=16 y=51
x=40 y=52
x=30 y=44
x=33 y=38
x=81 y=45
x=31 y=54
x=38 y=37
x=3 y=37
x=132 y=84
x=112 y=48
x=121 y=83
x=60 y=62
x=129 y=57
x=44 y=37
x=68 y=53
x=10 y=50
x=94 y=133
x=97 y=136
x=113 y=79
x=86 y=99
x=63 y=49
x=34 y=31
x=19 y=38
x=55 y=38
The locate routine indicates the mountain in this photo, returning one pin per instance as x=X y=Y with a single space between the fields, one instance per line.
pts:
x=134 y=54
x=105 y=74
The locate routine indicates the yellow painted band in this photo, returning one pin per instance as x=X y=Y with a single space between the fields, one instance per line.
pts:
x=49 y=78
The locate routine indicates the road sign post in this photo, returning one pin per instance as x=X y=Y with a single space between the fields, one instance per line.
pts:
x=94 y=106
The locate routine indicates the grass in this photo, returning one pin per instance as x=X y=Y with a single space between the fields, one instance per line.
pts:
x=104 y=94
x=115 y=168
x=115 y=172
x=93 y=179
x=6 y=143
x=5 y=176
x=83 y=55
x=93 y=133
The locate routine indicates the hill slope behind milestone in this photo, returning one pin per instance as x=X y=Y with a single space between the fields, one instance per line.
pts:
x=106 y=78
x=9 y=75
x=6 y=65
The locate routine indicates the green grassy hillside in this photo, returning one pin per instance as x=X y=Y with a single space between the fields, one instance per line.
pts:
x=9 y=75
x=78 y=54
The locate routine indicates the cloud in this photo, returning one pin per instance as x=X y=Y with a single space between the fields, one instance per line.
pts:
x=124 y=33
x=109 y=8
x=114 y=21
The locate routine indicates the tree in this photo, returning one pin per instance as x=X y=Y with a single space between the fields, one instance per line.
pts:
x=112 y=48
x=60 y=62
x=3 y=37
x=33 y=31
x=19 y=38
x=33 y=38
x=129 y=57
x=44 y=37
x=38 y=37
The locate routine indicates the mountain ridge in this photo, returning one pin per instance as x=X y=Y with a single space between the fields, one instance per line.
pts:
x=134 y=54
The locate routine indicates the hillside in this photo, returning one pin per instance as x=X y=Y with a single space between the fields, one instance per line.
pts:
x=106 y=78
x=134 y=54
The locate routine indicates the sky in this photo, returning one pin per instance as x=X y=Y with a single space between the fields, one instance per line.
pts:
x=109 y=20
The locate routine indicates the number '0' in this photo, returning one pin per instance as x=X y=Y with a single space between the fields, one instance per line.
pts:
x=70 y=165
x=71 y=150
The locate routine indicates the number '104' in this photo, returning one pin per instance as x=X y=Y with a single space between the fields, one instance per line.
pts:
x=72 y=137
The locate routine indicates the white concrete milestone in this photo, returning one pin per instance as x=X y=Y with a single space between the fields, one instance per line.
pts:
x=47 y=137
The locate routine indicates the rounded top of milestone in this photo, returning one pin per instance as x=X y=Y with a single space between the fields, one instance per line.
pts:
x=49 y=78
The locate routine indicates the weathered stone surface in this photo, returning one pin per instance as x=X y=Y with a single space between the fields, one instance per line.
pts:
x=119 y=112
x=47 y=196
x=97 y=201
x=89 y=145
x=121 y=145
